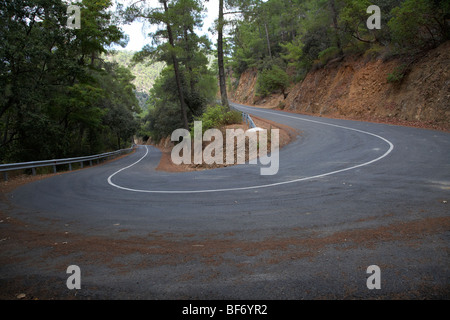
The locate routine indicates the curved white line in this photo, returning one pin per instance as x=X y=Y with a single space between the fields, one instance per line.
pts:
x=110 y=177
x=391 y=147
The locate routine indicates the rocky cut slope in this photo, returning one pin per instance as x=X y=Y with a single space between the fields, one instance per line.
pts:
x=356 y=88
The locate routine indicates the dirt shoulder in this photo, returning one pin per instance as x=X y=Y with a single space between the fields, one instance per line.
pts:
x=362 y=117
x=286 y=135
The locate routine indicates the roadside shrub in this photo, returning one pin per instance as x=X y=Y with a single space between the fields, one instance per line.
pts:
x=217 y=116
x=419 y=24
x=374 y=52
x=328 y=54
x=232 y=117
x=272 y=80
x=398 y=74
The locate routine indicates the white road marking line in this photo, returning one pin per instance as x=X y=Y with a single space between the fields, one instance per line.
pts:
x=110 y=177
x=391 y=147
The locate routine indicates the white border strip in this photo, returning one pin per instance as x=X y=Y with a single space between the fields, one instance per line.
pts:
x=391 y=147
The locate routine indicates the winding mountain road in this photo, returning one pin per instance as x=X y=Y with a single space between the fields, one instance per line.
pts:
x=347 y=195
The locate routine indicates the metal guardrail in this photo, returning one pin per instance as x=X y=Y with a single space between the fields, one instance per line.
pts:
x=56 y=162
x=247 y=119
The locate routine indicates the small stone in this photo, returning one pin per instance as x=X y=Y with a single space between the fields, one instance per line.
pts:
x=21 y=296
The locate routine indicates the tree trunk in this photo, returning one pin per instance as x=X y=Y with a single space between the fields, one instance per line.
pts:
x=222 y=80
x=177 y=72
x=335 y=26
x=268 y=41
x=189 y=61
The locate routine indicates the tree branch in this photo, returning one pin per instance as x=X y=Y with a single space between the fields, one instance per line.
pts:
x=233 y=12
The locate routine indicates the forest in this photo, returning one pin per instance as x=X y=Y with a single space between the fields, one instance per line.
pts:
x=58 y=98
x=284 y=40
x=62 y=96
x=145 y=74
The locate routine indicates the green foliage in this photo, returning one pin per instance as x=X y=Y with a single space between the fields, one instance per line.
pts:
x=309 y=33
x=248 y=48
x=145 y=73
x=353 y=17
x=163 y=115
x=418 y=24
x=272 y=80
x=57 y=99
x=271 y=36
x=373 y=52
x=398 y=74
x=217 y=116
x=162 y=121
x=186 y=80
x=62 y=94
x=328 y=54
x=163 y=110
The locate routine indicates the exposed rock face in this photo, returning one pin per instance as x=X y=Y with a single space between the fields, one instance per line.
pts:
x=359 y=89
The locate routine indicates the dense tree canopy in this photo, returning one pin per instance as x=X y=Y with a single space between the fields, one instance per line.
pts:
x=187 y=82
x=306 y=33
x=57 y=98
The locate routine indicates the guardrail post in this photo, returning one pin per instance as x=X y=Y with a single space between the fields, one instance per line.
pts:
x=251 y=123
x=81 y=163
x=5 y=175
x=70 y=167
x=90 y=163
x=33 y=170
x=54 y=168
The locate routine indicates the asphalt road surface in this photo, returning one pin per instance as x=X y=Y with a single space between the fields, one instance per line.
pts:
x=348 y=195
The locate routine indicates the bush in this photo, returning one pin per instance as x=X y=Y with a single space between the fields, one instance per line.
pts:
x=398 y=74
x=162 y=120
x=216 y=117
x=374 y=52
x=419 y=24
x=272 y=80
x=328 y=54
